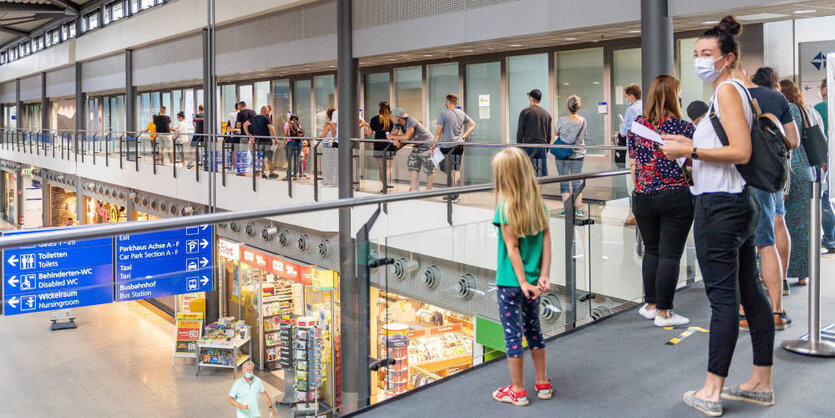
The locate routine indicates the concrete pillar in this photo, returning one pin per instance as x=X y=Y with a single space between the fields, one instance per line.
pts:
x=657 y=52
x=45 y=107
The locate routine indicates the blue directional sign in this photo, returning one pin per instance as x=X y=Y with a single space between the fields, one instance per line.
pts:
x=54 y=276
x=164 y=263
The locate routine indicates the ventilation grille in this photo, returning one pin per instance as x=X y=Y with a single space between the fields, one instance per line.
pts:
x=183 y=49
x=30 y=88
x=114 y=64
x=279 y=27
x=371 y=13
x=7 y=92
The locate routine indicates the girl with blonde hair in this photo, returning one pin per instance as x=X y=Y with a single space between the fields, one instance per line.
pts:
x=523 y=270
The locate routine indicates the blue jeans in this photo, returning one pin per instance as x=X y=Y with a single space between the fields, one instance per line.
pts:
x=828 y=221
x=568 y=167
x=293 y=150
x=519 y=315
x=539 y=159
x=771 y=204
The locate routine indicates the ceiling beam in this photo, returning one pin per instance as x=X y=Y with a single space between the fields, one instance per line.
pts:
x=13 y=31
x=32 y=8
x=66 y=4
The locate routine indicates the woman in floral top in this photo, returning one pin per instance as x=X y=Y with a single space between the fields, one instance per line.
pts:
x=662 y=202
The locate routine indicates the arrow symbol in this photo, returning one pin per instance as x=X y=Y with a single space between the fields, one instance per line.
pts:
x=204 y=280
x=204 y=243
x=13 y=302
x=13 y=261
x=204 y=261
x=13 y=281
x=203 y=228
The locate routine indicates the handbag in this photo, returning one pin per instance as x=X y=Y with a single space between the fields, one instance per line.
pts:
x=813 y=140
x=563 y=153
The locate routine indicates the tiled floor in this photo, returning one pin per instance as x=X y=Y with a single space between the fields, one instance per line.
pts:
x=117 y=363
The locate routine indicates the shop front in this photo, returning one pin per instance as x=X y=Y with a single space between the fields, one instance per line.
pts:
x=10 y=197
x=293 y=310
x=427 y=343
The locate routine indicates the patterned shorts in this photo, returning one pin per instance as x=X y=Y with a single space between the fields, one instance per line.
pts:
x=519 y=315
x=421 y=158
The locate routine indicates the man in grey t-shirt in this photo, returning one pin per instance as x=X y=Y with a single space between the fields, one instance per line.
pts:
x=451 y=124
x=421 y=156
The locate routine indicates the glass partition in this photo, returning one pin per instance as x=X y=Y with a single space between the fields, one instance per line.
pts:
x=377 y=89
x=301 y=104
x=626 y=70
x=580 y=73
x=482 y=93
x=262 y=95
x=525 y=73
x=245 y=94
x=441 y=79
x=324 y=100
x=408 y=91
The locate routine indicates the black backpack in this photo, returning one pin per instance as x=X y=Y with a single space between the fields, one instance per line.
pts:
x=769 y=166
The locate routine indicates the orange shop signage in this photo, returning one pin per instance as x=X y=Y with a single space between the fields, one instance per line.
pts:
x=229 y=250
x=286 y=269
x=255 y=258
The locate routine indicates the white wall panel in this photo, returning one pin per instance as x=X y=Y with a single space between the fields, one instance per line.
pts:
x=7 y=92
x=30 y=88
x=60 y=82
x=52 y=57
x=103 y=74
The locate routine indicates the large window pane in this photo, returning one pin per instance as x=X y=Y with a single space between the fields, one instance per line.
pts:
x=229 y=99
x=120 y=113
x=581 y=73
x=189 y=108
x=626 y=70
x=155 y=103
x=281 y=104
x=166 y=101
x=301 y=104
x=441 y=80
x=245 y=94
x=524 y=74
x=483 y=91
x=324 y=96
x=408 y=91
x=692 y=88
x=377 y=89
x=262 y=95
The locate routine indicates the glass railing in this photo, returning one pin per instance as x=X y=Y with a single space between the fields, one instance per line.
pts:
x=427 y=284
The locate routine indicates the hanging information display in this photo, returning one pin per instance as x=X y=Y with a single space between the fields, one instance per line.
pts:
x=56 y=276
x=164 y=263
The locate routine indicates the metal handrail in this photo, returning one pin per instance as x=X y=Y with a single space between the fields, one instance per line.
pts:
x=98 y=231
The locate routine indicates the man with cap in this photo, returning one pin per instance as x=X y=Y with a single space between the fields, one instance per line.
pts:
x=421 y=156
x=696 y=110
x=535 y=128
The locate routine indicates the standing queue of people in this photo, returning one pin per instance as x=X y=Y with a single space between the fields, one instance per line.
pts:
x=684 y=173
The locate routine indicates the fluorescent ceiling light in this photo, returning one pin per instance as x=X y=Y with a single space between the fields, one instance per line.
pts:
x=710 y=22
x=634 y=31
x=801 y=12
x=468 y=50
x=570 y=39
x=427 y=55
x=515 y=45
x=761 y=16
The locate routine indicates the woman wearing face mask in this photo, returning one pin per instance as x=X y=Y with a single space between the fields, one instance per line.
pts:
x=726 y=216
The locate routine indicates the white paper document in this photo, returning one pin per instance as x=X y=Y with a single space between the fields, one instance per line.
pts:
x=644 y=132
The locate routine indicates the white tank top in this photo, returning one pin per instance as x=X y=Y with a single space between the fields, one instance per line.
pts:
x=711 y=177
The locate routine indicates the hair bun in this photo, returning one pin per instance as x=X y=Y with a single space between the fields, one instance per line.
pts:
x=730 y=25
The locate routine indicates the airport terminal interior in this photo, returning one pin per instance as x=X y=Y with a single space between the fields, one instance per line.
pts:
x=288 y=208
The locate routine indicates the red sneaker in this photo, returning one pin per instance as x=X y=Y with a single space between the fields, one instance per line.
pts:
x=507 y=395
x=544 y=390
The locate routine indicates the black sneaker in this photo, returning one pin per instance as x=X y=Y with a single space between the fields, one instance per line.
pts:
x=786 y=290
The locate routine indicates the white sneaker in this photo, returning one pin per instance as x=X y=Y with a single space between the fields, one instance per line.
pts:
x=675 y=320
x=647 y=313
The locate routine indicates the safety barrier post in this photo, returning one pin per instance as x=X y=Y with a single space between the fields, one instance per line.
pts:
x=316 y=171
x=813 y=345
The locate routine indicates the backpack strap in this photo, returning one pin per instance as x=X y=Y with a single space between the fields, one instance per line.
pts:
x=717 y=125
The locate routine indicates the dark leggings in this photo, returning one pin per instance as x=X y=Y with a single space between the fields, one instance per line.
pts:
x=664 y=220
x=724 y=231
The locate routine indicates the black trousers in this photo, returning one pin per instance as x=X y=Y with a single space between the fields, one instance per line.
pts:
x=664 y=221
x=724 y=231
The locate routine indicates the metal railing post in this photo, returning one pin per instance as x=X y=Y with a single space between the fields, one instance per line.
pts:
x=107 y=150
x=95 y=147
x=154 y=150
x=136 y=151
x=223 y=161
x=316 y=171
x=122 y=151
x=813 y=345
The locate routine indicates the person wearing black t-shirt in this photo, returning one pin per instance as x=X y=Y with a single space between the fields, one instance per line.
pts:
x=261 y=133
x=163 y=124
x=379 y=125
x=199 y=137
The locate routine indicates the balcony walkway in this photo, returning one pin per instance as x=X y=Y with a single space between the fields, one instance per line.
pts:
x=622 y=367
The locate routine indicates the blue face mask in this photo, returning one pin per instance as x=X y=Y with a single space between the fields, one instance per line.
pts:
x=629 y=102
x=248 y=375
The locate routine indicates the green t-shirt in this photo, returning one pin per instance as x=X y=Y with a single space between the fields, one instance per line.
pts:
x=530 y=248
x=824 y=112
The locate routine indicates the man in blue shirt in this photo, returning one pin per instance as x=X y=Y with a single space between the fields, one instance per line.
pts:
x=635 y=109
x=245 y=391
